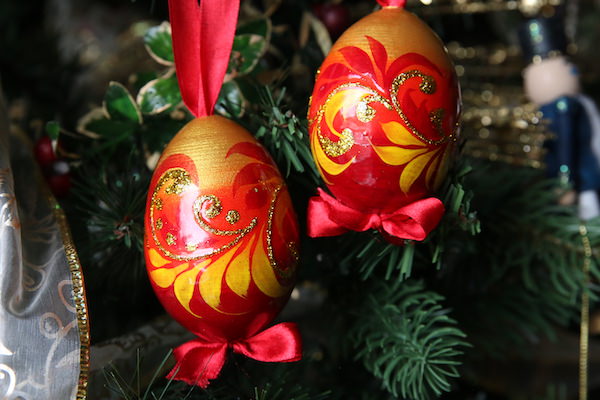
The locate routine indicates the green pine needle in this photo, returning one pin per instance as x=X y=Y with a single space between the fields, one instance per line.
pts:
x=406 y=339
x=284 y=134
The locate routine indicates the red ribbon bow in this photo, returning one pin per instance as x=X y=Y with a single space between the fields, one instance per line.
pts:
x=198 y=361
x=329 y=217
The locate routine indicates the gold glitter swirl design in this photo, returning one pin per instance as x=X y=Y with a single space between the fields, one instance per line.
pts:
x=346 y=140
x=232 y=216
x=180 y=181
x=285 y=273
x=366 y=113
x=339 y=148
x=214 y=207
x=437 y=117
x=171 y=239
x=427 y=86
x=419 y=154
x=219 y=232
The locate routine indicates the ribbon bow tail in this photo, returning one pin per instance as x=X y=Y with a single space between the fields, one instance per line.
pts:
x=416 y=220
x=198 y=362
x=328 y=217
x=279 y=343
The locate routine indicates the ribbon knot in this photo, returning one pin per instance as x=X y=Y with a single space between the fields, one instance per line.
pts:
x=327 y=216
x=374 y=222
x=199 y=361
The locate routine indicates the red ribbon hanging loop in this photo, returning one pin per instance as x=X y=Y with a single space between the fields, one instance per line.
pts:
x=329 y=217
x=198 y=362
x=202 y=40
x=392 y=3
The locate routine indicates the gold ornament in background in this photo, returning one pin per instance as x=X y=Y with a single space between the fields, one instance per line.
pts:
x=499 y=125
x=483 y=64
x=527 y=7
x=498 y=122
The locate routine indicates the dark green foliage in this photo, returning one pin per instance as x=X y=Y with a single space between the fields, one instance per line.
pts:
x=109 y=210
x=523 y=274
x=285 y=135
x=279 y=386
x=405 y=337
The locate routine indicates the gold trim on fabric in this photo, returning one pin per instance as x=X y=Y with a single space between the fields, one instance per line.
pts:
x=78 y=297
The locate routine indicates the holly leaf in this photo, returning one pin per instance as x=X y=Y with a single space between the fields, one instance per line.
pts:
x=159 y=95
x=96 y=125
x=113 y=130
x=119 y=104
x=159 y=45
x=52 y=129
x=247 y=50
x=231 y=102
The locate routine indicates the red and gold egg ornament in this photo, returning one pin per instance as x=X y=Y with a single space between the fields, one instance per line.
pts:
x=383 y=123
x=221 y=236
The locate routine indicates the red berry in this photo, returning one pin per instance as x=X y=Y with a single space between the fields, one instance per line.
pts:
x=60 y=184
x=43 y=151
x=335 y=17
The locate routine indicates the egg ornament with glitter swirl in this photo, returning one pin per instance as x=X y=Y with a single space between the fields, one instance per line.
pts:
x=221 y=235
x=383 y=123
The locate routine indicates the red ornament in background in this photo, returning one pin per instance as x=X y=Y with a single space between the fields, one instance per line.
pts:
x=383 y=122
x=335 y=17
x=55 y=171
x=59 y=179
x=44 y=152
x=221 y=236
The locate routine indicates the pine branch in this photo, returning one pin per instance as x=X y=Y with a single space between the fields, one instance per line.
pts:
x=405 y=338
x=232 y=384
x=112 y=205
x=284 y=135
x=274 y=391
x=522 y=276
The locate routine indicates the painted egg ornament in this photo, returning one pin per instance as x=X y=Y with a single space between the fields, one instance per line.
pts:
x=383 y=123
x=221 y=236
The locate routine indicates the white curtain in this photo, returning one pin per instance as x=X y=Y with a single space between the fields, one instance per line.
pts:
x=44 y=337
